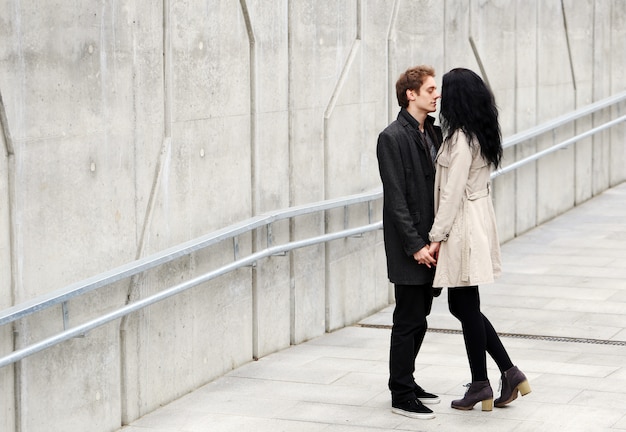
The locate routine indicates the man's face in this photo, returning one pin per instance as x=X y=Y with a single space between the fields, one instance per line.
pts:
x=426 y=98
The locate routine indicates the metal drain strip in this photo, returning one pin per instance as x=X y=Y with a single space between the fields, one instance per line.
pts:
x=517 y=336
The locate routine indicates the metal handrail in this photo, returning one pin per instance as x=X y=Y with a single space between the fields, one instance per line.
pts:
x=556 y=147
x=169 y=292
x=64 y=294
x=141 y=265
x=564 y=119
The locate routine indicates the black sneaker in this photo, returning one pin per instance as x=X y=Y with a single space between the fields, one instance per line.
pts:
x=425 y=397
x=413 y=409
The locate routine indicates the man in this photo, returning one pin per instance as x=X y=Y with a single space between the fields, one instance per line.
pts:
x=406 y=152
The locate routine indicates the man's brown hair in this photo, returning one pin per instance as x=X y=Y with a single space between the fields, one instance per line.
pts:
x=412 y=79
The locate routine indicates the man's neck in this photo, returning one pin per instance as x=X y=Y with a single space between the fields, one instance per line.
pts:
x=418 y=115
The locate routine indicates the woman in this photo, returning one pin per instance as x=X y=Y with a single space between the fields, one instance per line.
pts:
x=464 y=237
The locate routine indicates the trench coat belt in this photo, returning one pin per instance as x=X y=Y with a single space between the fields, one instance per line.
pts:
x=478 y=194
x=465 y=256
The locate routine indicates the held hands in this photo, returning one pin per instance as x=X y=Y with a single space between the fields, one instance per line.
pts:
x=424 y=256
x=433 y=249
x=428 y=256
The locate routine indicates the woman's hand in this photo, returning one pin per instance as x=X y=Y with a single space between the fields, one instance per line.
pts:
x=423 y=256
x=433 y=250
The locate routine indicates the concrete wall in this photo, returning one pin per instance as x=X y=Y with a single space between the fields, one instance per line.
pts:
x=130 y=127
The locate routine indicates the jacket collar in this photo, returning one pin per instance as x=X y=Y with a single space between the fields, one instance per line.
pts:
x=407 y=119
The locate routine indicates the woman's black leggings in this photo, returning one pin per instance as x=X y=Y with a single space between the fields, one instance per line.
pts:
x=480 y=336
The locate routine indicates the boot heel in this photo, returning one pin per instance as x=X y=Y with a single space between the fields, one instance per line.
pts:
x=478 y=391
x=487 y=404
x=524 y=388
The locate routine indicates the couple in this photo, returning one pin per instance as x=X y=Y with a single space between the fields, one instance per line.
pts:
x=440 y=229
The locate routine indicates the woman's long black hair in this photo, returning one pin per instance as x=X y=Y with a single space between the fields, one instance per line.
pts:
x=469 y=105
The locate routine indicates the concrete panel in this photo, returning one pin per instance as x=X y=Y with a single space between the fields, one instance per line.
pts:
x=350 y=119
x=601 y=89
x=198 y=177
x=270 y=73
x=374 y=46
x=357 y=286
x=416 y=37
x=73 y=385
x=271 y=162
x=375 y=74
x=209 y=161
x=7 y=375
x=69 y=114
x=210 y=166
x=583 y=154
x=271 y=288
x=556 y=174
x=601 y=154
x=308 y=294
x=384 y=289
x=85 y=368
x=579 y=32
x=356 y=282
x=308 y=281
x=602 y=13
x=70 y=67
x=339 y=284
x=351 y=158
x=492 y=28
x=618 y=44
x=187 y=340
x=306 y=156
x=555 y=89
x=321 y=37
x=273 y=303
x=617 y=166
x=149 y=109
x=222 y=321
x=152 y=151
x=316 y=56
x=526 y=53
x=62 y=221
x=555 y=85
x=525 y=113
x=580 y=28
x=210 y=60
x=458 y=51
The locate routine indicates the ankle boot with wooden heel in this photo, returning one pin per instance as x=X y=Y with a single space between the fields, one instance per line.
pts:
x=513 y=380
x=479 y=391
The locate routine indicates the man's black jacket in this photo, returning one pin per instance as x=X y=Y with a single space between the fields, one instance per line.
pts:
x=408 y=177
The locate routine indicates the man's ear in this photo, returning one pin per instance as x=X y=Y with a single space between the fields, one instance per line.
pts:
x=410 y=95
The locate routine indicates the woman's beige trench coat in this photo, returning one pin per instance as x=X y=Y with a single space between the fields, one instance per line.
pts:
x=465 y=222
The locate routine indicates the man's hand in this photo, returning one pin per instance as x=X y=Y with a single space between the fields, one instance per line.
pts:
x=423 y=256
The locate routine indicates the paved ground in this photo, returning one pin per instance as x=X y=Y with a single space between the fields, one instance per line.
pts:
x=560 y=305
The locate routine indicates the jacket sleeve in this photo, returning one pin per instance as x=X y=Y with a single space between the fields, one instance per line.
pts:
x=452 y=193
x=392 y=174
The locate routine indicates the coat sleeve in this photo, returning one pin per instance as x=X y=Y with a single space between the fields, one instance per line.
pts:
x=391 y=166
x=452 y=193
